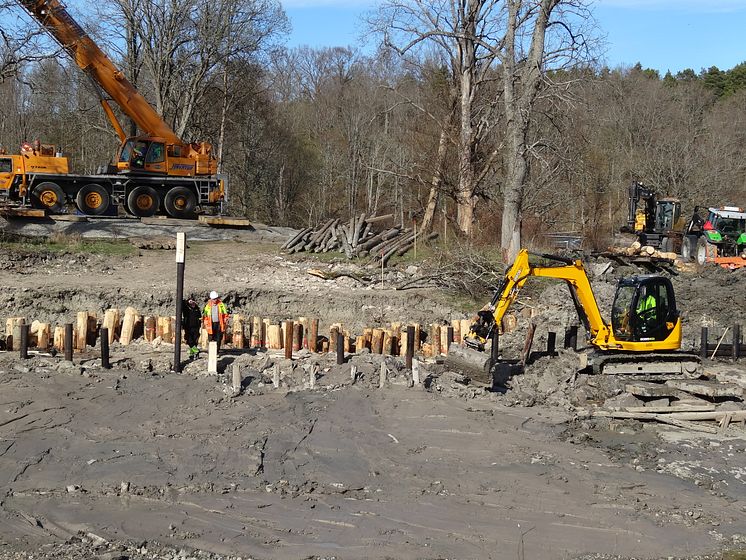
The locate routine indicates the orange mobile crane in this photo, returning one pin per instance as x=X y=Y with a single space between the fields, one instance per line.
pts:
x=152 y=170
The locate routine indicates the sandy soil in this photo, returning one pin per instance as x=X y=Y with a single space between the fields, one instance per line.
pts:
x=138 y=462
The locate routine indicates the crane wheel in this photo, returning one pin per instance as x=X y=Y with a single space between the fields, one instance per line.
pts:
x=93 y=199
x=180 y=202
x=143 y=201
x=50 y=196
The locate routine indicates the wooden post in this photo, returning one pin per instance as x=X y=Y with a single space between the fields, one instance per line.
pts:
x=359 y=343
x=333 y=338
x=212 y=358
x=456 y=326
x=449 y=339
x=274 y=337
x=236 y=378
x=571 y=337
x=167 y=334
x=353 y=373
x=340 y=349
x=297 y=336
x=736 y=342
x=13 y=332
x=69 y=342
x=387 y=348
x=435 y=339
x=444 y=338
x=347 y=341
x=377 y=341
x=59 y=338
x=313 y=335
x=465 y=328
x=204 y=338
x=41 y=332
x=82 y=324
x=703 y=343
x=111 y=323
x=256 y=332
x=410 y=346
x=382 y=376
x=128 y=326
x=303 y=322
x=368 y=339
x=238 y=332
x=24 y=341
x=105 y=348
x=288 y=338
x=150 y=328
x=417 y=337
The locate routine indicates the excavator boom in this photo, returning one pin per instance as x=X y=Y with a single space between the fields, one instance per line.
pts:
x=53 y=16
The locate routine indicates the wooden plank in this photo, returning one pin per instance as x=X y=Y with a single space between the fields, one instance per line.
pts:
x=225 y=221
x=23 y=212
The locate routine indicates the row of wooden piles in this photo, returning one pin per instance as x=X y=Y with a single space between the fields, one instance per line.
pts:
x=243 y=332
x=362 y=236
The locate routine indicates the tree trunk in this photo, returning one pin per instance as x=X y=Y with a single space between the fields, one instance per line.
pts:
x=466 y=203
x=432 y=199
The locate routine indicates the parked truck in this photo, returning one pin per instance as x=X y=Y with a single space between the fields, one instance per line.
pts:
x=154 y=171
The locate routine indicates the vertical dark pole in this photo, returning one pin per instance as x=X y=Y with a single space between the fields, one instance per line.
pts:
x=69 y=342
x=571 y=337
x=410 y=346
x=736 y=341
x=449 y=339
x=495 y=350
x=287 y=339
x=703 y=343
x=24 y=341
x=340 y=348
x=105 y=348
x=180 y=254
x=551 y=343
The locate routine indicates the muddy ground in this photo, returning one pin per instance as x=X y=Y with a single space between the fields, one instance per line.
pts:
x=138 y=462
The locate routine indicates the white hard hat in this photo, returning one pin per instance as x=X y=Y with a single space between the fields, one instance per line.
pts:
x=213 y=295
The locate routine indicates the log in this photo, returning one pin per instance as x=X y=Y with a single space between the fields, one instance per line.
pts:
x=456 y=324
x=444 y=339
x=81 y=338
x=377 y=341
x=368 y=339
x=333 y=335
x=476 y=365
x=434 y=339
x=239 y=340
x=297 y=336
x=128 y=326
x=111 y=322
x=256 y=332
x=150 y=328
x=509 y=323
x=376 y=240
x=417 y=337
x=347 y=342
x=59 y=338
x=313 y=335
x=388 y=347
x=648 y=250
x=295 y=238
x=287 y=338
x=12 y=332
x=636 y=246
x=42 y=336
x=274 y=337
x=378 y=219
x=358 y=230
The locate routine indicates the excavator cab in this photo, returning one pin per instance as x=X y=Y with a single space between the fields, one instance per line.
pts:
x=644 y=309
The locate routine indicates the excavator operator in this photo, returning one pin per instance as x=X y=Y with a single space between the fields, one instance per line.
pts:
x=647 y=310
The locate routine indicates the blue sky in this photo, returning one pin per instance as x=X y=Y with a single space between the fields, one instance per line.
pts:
x=661 y=34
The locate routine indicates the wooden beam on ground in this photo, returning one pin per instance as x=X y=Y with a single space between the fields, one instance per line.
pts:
x=225 y=221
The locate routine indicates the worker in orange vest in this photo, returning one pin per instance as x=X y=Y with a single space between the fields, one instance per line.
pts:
x=215 y=318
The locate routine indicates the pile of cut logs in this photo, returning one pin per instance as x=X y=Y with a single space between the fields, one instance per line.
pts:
x=637 y=249
x=693 y=404
x=361 y=237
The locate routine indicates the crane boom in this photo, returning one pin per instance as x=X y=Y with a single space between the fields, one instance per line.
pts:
x=53 y=16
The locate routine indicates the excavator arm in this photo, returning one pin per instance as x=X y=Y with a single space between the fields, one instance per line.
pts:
x=571 y=271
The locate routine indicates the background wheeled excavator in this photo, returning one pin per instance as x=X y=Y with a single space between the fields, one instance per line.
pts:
x=644 y=336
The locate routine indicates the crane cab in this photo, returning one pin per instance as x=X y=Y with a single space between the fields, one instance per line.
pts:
x=644 y=311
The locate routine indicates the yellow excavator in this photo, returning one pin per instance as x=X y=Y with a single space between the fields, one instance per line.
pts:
x=644 y=336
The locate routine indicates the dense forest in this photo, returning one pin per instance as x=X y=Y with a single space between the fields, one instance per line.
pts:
x=450 y=126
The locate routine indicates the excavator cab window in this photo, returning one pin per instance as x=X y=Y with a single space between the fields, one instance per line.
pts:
x=644 y=309
x=6 y=165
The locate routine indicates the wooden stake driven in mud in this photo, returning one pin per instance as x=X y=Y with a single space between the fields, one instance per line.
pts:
x=377 y=341
x=128 y=326
x=150 y=329
x=313 y=335
x=297 y=336
x=238 y=331
x=256 y=332
x=82 y=330
x=288 y=339
x=59 y=338
x=274 y=337
x=111 y=323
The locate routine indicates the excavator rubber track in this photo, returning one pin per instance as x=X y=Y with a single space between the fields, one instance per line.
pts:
x=656 y=364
